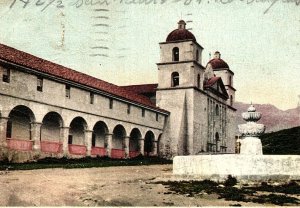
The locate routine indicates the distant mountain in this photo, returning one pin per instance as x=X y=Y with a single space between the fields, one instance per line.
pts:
x=284 y=142
x=273 y=118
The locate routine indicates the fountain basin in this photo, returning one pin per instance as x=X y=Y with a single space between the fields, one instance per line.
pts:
x=246 y=168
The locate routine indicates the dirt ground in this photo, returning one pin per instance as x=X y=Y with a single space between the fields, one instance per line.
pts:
x=112 y=186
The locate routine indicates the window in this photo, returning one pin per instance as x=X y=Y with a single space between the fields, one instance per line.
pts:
x=92 y=97
x=175 y=79
x=156 y=116
x=197 y=55
x=6 y=75
x=39 y=84
x=231 y=100
x=68 y=91
x=230 y=80
x=175 y=54
x=70 y=139
x=143 y=112
x=198 y=81
x=128 y=108
x=217 y=110
x=111 y=103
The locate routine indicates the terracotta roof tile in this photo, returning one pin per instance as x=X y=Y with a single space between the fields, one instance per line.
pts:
x=211 y=81
x=27 y=60
x=141 y=89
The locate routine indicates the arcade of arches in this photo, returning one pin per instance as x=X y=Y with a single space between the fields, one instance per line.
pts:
x=53 y=135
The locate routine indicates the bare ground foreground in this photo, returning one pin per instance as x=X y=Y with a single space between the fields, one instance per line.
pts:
x=110 y=186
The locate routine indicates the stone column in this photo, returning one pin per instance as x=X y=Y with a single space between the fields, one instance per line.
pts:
x=141 y=146
x=88 y=141
x=126 y=146
x=3 y=129
x=36 y=135
x=154 y=152
x=108 y=144
x=64 y=137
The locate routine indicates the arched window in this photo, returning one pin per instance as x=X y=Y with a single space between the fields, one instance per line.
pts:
x=175 y=79
x=217 y=110
x=197 y=55
x=230 y=80
x=231 y=100
x=198 y=81
x=176 y=54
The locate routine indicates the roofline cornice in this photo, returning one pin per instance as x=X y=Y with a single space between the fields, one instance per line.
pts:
x=199 y=90
x=81 y=86
x=221 y=69
x=230 y=87
x=182 y=62
x=181 y=41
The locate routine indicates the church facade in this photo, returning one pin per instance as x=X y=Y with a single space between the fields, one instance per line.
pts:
x=47 y=110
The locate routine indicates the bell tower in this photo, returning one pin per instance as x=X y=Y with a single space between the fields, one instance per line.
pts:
x=221 y=69
x=180 y=74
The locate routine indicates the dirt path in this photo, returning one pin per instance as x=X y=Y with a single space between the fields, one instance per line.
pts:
x=113 y=186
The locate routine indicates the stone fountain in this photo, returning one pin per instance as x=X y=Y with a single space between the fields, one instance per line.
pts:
x=248 y=166
x=251 y=144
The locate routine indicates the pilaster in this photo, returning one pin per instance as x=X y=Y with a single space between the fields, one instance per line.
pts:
x=141 y=146
x=3 y=129
x=108 y=144
x=36 y=135
x=126 y=146
x=64 y=139
x=88 y=141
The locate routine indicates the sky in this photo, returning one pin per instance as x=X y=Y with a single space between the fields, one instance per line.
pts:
x=118 y=40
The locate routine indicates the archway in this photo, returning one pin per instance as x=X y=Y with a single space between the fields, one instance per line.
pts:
x=134 y=148
x=76 y=139
x=119 y=133
x=148 y=144
x=51 y=133
x=18 y=131
x=175 y=54
x=98 y=138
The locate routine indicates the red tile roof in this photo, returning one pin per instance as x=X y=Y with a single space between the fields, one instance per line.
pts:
x=27 y=60
x=141 y=89
x=211 y=81
x=218 y=63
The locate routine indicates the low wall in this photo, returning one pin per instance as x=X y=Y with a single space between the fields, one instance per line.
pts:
x=244 y=167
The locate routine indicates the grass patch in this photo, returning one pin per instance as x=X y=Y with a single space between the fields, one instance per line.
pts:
x=87 y=162
x=272 y=194
x=283 y=142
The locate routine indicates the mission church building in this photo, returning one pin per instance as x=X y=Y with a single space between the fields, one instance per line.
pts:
x=47 y=110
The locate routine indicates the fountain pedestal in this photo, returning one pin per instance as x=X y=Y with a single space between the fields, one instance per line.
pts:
x=250 y=142
x=251 y=146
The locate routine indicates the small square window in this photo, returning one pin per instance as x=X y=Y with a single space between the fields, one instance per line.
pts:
x=143 y=112
x=39 y=86
x=92 y=97
x=128 y=108
x=6 y=75
x=111 y=103
x=68 y=91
